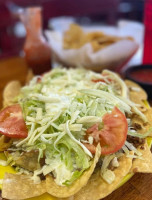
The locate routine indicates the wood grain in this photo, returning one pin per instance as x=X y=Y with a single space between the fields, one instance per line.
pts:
x=12 y=69
x=139 y=187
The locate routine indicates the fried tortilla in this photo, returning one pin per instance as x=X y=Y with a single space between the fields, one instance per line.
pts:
x=143 y=127
x=11 y=90
x=21 y=187
x=137 y=94
x=97 y=188
x=90 y=186
x=143 y=165
x=75 y=38
x=66 y=191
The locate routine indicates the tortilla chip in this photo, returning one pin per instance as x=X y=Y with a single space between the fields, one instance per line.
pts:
x=149 y=117
x=66 y=191
x=75 y=38
x=137 y=94
x=97 y=188
x=139 y=125
x=11 y=90
x=145 y=165
x=140 y=97
x=142 y=127
x=21 y=187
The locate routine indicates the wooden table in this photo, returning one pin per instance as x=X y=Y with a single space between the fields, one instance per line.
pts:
x=12 y=69
x=140 y=185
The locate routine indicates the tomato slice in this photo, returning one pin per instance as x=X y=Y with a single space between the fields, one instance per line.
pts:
x=98 y=80
x=101 y=79
x=113 y=134
x=12 y=123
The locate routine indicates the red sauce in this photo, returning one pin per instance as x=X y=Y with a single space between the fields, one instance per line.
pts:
x=142 y=75
x=36 y=48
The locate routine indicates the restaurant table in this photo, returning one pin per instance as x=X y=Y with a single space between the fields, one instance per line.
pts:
x=139 y=187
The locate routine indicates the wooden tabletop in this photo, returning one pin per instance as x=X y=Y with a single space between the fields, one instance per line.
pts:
x=139 y=187
x=12 y=69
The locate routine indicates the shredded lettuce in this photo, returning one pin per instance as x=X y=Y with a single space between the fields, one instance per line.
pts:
x=108 y=176
x=59 y=109
x=139 y=135
x=70 y=159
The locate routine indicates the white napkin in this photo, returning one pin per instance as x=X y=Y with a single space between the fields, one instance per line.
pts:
x=112 y=56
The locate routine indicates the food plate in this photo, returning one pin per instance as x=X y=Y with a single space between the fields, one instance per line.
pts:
x=78 y=109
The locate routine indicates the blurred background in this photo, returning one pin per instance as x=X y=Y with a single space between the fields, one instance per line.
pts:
x=57 y=13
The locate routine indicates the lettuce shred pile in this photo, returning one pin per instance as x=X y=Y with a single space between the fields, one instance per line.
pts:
x=58 y=108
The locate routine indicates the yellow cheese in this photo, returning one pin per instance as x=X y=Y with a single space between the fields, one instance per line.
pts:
x=3 y=169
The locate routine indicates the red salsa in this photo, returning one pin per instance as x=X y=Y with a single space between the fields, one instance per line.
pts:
x=142 y=75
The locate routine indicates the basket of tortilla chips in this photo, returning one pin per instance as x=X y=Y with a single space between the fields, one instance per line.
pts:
x=93 y=50
x=73 y=134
